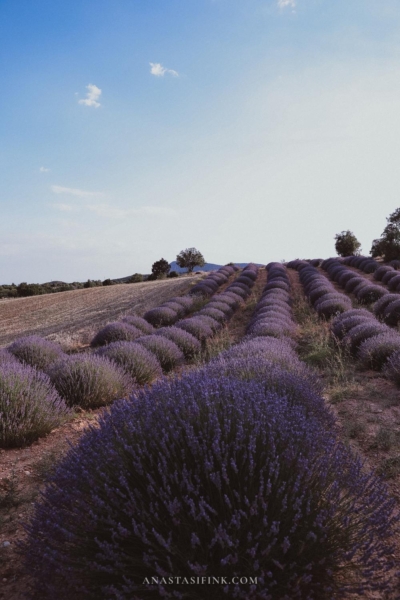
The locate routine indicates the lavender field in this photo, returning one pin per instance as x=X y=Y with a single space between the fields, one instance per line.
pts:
x=245 y=428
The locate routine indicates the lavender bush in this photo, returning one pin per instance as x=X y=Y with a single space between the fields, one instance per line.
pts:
x=382 y=303
x=353 y=283
x=89 y=381
x=381 y=271
x=29 y=405
x=333 y=305
x=214 y=313
x=360 y=333
x=139 y=323
x=6 y=357
x=370 y=293
x=388 y=276
x=394 y=282
x=375 y=351
x=161 y=316
x=208 y=477
x=221 y=306
x=341 y=328
x=391 y=314
x=116 y=332
x=168 y=354
x=186 y=342
x=134 y=359
x=197 y=327
x=36 y=351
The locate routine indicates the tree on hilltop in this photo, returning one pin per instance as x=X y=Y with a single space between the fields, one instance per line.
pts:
x=347 y=244
x=189 y=259
x=388 y=245
x=160 y=268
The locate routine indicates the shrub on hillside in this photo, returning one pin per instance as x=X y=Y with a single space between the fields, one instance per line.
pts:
x=381 y=271
x=185 y=301
x=176 y=307
x=203 y=476
x=268 y=348
x=393 y=283
x=6 y=357
x=29 y=405
x=139 y=323
x=197 y=327
x=382 y=303
x=161 y=316
x=353 y=283
x=134 y=359
x=36 y=351
x=119 y=331
x=370 y=293
x=186 y=342
x=340 y=328
x=167 y=352
x=391 y=314
x=214 y=313
x=89 y=381
x=388 y=276
x=375 y=351
x=272 y=327
x=358 y=334
x=333 y=305
x=222 y=307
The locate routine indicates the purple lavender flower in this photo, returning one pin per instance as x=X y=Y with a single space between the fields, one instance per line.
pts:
x=116 y=332
x=36 y=351
x=140 y=323
x=167 y=352
x=89 y=381
x=161 y=316
x=206 y=475
x=29 y=405
x=134 y=359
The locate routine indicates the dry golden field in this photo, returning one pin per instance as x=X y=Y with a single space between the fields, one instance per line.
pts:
x=72 y=318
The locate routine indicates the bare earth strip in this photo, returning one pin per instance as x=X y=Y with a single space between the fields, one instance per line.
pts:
x=72 y=318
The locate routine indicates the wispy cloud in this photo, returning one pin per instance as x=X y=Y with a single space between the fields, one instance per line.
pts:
x=92 y=96
x=159 y=71
x=58 y=189
x=44 y=170
x=113 y=212
x=286 y=4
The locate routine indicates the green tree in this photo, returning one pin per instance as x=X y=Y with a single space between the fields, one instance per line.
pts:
x=136 y=278
x=388 y=245
x=346 y=243
x=160 y=268
x=190 y=258
x=107 y=282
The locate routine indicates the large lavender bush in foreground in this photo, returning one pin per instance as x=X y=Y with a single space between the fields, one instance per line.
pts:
x=29 y=405
x=208 y=477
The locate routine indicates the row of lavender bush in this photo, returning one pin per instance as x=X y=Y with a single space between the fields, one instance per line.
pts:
x=230 y=471
x=320 y=292
x=273 y=315
x=386 y=307
x=374 y=344
x=91 y=381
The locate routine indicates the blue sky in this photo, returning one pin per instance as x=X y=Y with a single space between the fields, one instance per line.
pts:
x=252 y=130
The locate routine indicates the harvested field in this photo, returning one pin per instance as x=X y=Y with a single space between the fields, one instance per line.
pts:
x=72 y=318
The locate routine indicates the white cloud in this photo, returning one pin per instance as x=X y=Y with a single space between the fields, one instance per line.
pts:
x=44 y=170
x=159 y=71
x=58 y=189
x=112 y=212
x=92 y=96
x=286 y=4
